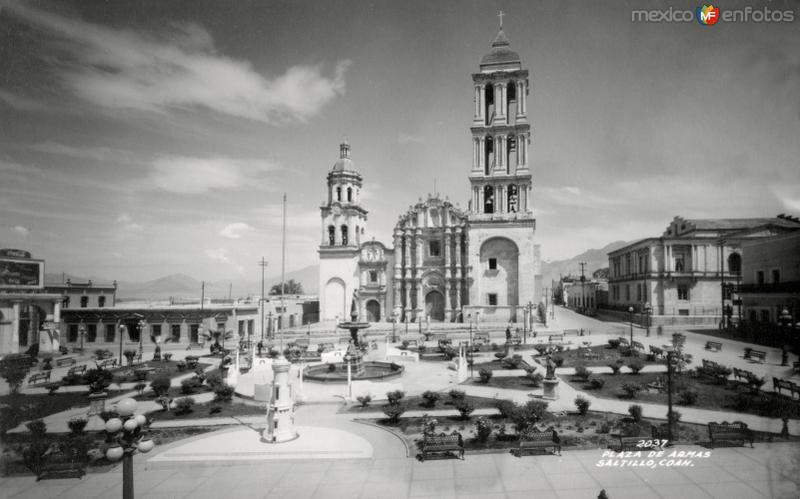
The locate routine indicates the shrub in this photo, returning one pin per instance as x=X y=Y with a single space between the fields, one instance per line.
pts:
x=422 y=348
x=37 y=427
x=160 y=385
x=506 y=408
x=512 y=362
x=331 y=368
x=536 y=378
x=13 y=368
x=464 y=407
x=457 y=394
x=494 y=347
x=77 y=424
x=581 y=372
x=483 y=429
x=53 y=387
x=404 y=345
x=223 y=393
x=394 y=411
x=596 y=383
x=364 y=400
x=615 y=366
x=181 y=365
x=184 y=405
x=635 y=366
x=582 y=404
x=168 y=356
x=687 y=397
x=214 y=409
x=214 y=380
x=189 y=385
x=139 y=387
x=501 y=355
x=129 y=355
x=395 y=396
x=485 y=375
x=106 y=415
x=558 y=360
x=430 y=398
x=631 y=389
x=614 y=342
x=635 y=410
x=674 y=418
x=527 y=415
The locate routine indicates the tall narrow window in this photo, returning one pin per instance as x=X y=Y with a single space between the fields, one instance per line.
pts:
x=109 y=332
x=511 y=153
x=349 y=194
x=683 y=292
x=331 y=235
x=101 y=301
x=488 y=199
x=176 y=333
x=759 y=277
x=511 y=97
x=91 y=333
x=488 y=160
x=776 y=276
x=492 y=299
x=489 y=100
x=84 y=301
x=434 y=248
x=512 y=198
x=493 y=264
x=338 y=193
x=344 y=235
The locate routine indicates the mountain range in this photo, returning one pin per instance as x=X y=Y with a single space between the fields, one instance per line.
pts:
x=186 y=287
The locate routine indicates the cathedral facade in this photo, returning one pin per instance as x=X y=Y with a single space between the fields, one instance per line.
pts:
x=445 y=264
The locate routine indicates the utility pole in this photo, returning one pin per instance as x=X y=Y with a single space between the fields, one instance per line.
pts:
x=283 y=267
x=263 y=263
x=583 y=288
x=544 y=315
x=722 y=283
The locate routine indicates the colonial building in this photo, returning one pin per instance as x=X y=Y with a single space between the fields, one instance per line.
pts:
x=445 y=262
x=684 y=272
x=85 y=294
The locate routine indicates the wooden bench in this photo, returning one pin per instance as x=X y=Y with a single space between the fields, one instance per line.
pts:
x=555 y=338
x=631 y=443
x=539 y=440
x=302 y=343
x=43 y=376
x=729 y=432
x=103 y=364
x=445 y=344
x=785 y=384
x=437 y=336
x=657 y=352
x=742 y=374
x=76 y=370
x=751 y=354
x=326 y=347
x=482 y=337
x=64 y=463
x=714 y=346
x=442 y=444
x=65 y=361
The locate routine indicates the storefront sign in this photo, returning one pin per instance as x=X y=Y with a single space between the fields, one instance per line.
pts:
x=14 y=253
x=21 y=274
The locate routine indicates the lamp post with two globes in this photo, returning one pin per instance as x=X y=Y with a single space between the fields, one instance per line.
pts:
x=129 y=433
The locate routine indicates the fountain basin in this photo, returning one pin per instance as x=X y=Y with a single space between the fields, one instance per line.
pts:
x=321 y=373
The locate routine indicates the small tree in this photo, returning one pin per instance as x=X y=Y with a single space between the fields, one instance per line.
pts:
x=615 y=366
x=464 y=407
x=582 y=404
x=364 y=400
x=394 y=397
x=13 y=368
x=635 y=410
x=184 y=405
x=430 y=398
x=536 y=378
x=77 y=424
x=223 y=393
x=581 y=372
x=457 y=394
x=687 y=397
x=631 y=389
x=290 y=287
x=597 y=383
x=635 y=366
x=160 y=385
x=485 y=375
x=528 y=414
x=483 y=429
x=506 y=408
x=394 y=411
x=129 y=356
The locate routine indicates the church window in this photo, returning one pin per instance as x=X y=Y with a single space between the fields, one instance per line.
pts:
x=91 y=333
x=84 y=301
x=512 y=198
x=373 y=276
x=101 y=301
x=331 y=235
x=683 y=292
x=511 y=152
x=488 y=199
x=434 y=248
x=627 y=292
x=759 y=277
x=493 y=264
x=511 y=97
x=679 y=263
x=344 y=235
x=338 y=193
x=489 y=100
x=488 y=160
x=492 y=298
x=349 y=194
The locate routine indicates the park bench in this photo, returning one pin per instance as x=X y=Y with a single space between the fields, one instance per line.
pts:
x=77 y=370
x=67 y=462
x=713 y=345
x=631 y=443
x=796 y=366
x=742 y=374
x=104 y=354
x=445 y=344
x=751 y=354
x=555 y=338
x=301 y=343
x=443 y=444
x=326 y=347
x=623 y=342
x=43 y=376
x=657 y=352
x=729 y=432
x=571 y=331
x=103 y=364
x=436 y=336
x=539 y=440
x=65 y=361
x=482 y=337
x=785 y=384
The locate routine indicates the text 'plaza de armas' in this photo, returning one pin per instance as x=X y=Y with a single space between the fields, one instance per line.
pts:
x=444 y=264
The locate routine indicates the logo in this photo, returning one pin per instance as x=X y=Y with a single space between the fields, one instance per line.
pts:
x=707 y=15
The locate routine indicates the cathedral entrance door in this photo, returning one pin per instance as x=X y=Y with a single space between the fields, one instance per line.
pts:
x=434 y=306
x=373 y=311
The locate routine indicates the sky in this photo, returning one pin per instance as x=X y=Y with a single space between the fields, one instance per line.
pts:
x=141 y=139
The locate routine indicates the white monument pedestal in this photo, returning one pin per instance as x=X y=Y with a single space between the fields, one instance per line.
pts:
x=550 y=389
x=280 y=410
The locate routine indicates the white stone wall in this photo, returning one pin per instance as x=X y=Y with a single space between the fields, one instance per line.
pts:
x=343 y=266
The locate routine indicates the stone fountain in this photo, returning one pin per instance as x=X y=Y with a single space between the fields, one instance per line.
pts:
x=354 y=356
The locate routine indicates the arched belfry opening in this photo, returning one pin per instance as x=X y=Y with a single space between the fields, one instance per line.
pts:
x=488 y=199
x=512 y=201
x=488 y=98
x=331 y=235
x=735 y=263
x=511 y=154
x=349 y=194
x=511 y=98
x=344 y=235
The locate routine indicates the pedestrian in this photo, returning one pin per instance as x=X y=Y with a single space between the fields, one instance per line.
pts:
x=260 y=347
x=508 y=334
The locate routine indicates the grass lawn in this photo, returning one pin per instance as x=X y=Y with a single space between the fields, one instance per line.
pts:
x=512 y=382
x=732 y=396
x=212 y=410
x=15 y=409
x=606 y=355
x=417 y=403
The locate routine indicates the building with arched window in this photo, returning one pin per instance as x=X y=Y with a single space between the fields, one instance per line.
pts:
x=447 y=263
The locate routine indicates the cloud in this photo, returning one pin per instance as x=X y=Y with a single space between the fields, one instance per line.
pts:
x=235 y=230
x=22 y=230
x=186 y=175
x=128 y=223
x=405 y=138
x=115 y=68
x=20 y=103
x=220 y=255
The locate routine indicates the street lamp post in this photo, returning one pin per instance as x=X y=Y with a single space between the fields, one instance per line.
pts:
x=647 y=310
x=82 y=333
x=141 y=327
x=469 y=319
x=129 y=433
x=670 y=357
x=630 y=318
x=786 y=323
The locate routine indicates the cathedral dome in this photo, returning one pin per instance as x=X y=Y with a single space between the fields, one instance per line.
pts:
x=501 y=56
x=344 y=163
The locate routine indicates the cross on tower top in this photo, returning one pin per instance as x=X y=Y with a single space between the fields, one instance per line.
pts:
x=500 y=15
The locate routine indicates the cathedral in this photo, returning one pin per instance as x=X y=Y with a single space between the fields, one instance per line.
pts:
x=444 y=264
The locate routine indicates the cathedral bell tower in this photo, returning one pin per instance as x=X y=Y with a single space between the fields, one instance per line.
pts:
x=501 y=220
x=343 y=225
